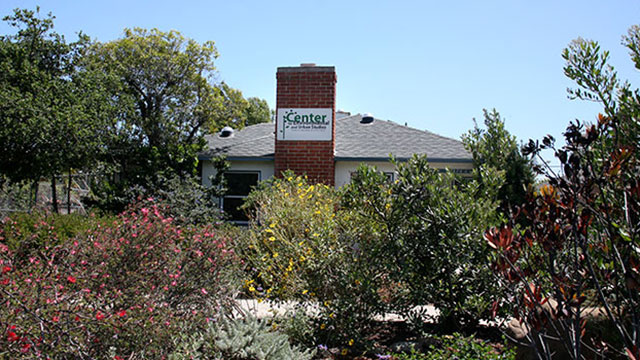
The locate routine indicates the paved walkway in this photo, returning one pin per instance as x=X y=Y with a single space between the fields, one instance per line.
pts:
x=268 y=309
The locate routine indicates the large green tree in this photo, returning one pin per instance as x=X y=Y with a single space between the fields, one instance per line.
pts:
x=493 y=146
x=46 y=127
x=162 y=84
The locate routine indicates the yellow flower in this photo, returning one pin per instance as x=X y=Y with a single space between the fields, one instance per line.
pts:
x=289 y=178
x=252 y=289
x=323 y=326
x=269 y=230
x=344 y=352
x=275 y=255
x=302 y=258
x=357 y=282
x=272 y=225
x=387 y=206
x=272 y=238
x=332 y=315
x=351 y=342
x=304 y=292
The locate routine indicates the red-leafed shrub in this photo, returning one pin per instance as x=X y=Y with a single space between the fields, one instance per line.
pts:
x=116 y=290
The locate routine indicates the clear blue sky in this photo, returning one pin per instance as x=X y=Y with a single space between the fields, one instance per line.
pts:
x=434 y=65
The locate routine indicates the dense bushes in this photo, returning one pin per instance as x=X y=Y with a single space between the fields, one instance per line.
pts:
x=121 y=289
x=303 y=246
x=375 y=246
x=433 y=250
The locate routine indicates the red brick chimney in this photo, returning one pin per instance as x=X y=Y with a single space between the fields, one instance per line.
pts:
x=305 y=125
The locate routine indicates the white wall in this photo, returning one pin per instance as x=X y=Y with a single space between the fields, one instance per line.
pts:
x=265 y=168
x=345 y=168
x=342 y=174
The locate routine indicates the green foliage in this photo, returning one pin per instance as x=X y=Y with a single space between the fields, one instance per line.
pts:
x=48 y=125
x=239 y=339
x=303 y=246
x=494 y=147
x=238 y=112
x=188 y=202
x=14 y=196
x=432 y=224
x=159 y=81
x=460 y=347
x=30 y=233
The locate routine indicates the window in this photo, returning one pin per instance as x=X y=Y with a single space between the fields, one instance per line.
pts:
x=239 y=185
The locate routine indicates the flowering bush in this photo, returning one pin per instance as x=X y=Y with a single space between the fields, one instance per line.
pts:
x=303 y=246
x=115 y=291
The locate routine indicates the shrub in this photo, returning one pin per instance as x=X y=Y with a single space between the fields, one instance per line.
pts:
x=122 y=289
x=239 y=339
x=432 y=224
x=26 y=233
x=581 y=251
x=303 y=246
x=459 y=347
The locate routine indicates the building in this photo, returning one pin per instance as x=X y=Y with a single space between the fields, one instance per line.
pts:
x=310 y=137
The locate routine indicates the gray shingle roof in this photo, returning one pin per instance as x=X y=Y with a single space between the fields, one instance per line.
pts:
x=354 y=141
x=381 y=138
x=255 y=141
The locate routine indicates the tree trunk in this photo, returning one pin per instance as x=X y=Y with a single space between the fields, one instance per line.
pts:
x=34 y=191
x=69 y=194
x=54 y=195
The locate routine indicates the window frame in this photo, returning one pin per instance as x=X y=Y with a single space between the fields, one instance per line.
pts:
x=222 y=198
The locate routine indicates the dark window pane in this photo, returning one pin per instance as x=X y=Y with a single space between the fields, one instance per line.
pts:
x=230 y=207
x=240 y=183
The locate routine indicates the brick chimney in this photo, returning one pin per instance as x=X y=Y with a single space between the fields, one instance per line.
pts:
x=305 y=125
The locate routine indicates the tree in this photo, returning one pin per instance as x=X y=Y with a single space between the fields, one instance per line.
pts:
x=161 y=82
x=495 y=147
x=46 y=126
x=580 y=250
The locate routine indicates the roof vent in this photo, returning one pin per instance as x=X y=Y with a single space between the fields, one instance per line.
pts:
x=307 y=65
x=366 y=119
x=226 y=132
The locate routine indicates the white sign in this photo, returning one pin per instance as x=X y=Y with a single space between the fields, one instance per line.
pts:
x=304 y=124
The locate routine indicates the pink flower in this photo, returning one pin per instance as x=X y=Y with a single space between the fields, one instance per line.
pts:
x=25 y=347
x=204 y=291
x=71 y=279
x=55 y=319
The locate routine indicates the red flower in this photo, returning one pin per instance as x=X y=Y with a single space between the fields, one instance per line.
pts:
x=11 y=336
x=122 y=313
x=71 y=279
x=99 y=316
x=6 y=269
x=25 y=347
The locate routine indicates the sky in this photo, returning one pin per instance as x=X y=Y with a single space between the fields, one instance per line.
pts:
x=434 y=65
